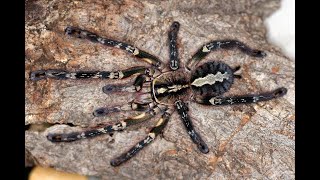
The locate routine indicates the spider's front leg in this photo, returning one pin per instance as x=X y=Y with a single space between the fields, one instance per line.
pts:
x=157 y=129
x=131 y=106
x=61 y=74
x=173 y=49
x=119 y=126
x=142 y=101
x=141 y=84
x=182 y=109
x=223 y=44
x=243 y=98
x=84 y=34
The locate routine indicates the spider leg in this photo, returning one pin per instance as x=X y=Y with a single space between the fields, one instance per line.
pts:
x=84 y=34
x=182 y=109
x=61 y=74
x=173 y=50
x=119 y=126
x=131 y=106
x=243 y=99
x=142 y=101
x=157 y=129
x=141 y=84
x=223 y=44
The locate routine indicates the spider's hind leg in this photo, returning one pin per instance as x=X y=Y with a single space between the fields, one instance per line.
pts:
x=223 y=44
x=243 y=98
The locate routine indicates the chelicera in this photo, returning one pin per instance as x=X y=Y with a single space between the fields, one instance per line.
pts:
x=161 y=91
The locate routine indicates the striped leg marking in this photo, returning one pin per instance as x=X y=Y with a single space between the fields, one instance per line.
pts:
x=223 y=44
x=61 y=74
x=84 y=34
x=244 y=98
x=162 y=122
x=182 y=109
x=131 y=106
x=173 y=50
x=67 y=137
x=141 y=84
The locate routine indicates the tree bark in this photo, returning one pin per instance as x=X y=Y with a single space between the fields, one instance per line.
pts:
x=253 y=141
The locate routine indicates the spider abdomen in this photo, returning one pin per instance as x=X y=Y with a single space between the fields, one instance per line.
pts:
x=211 y=79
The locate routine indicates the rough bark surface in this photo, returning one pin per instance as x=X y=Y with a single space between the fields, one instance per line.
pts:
x=253 y=141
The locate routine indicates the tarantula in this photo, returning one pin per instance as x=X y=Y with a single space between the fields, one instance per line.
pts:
x=161 y=92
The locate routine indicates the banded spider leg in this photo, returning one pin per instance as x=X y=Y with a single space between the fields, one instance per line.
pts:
x=62 y=74
x=253 y=98
x=173 y=49
x=182 y=109
x=156 y=130
x=143 y=103
x=84 y=34
x=222 y=44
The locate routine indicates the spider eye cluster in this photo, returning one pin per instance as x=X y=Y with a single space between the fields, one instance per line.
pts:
x=211 y=79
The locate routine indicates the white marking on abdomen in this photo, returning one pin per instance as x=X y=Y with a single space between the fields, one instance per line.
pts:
x=210 y=79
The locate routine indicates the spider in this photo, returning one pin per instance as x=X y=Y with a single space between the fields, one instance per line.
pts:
x=160 y=91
